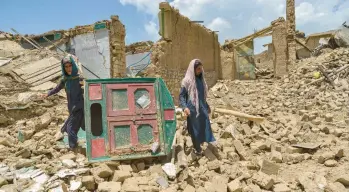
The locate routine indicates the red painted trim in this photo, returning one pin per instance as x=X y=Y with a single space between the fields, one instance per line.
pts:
x=136 y=118
x=131 y=106
x=169 y=114
x=150 y=88
x=95 y=92
x=97 y=148
x=153 y=123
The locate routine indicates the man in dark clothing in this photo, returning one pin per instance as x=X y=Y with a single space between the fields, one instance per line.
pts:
x=192 y=99
x=71 y=81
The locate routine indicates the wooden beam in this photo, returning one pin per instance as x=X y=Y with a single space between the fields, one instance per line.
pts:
x=253 y=36
x=239 y=114
x=197 y=21
x=302 y=44
x=32 y=43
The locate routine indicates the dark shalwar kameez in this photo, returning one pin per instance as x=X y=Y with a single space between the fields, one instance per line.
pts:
x=199 y=127
x=75 y=98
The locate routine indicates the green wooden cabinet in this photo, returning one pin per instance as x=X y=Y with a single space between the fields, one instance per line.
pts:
x=126 y=118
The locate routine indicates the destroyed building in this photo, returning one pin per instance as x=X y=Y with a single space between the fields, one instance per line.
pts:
x=99 y=46
x=299 y=145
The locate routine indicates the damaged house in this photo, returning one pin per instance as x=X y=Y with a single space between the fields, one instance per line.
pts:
x=100 y=47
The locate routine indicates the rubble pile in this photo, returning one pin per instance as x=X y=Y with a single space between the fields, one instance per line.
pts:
x=300 y=146
x=139 y=47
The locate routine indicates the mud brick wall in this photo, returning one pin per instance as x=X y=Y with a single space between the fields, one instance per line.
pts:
x=182 y=41
x=279 y=40
x=291 y=29
x=117 y=34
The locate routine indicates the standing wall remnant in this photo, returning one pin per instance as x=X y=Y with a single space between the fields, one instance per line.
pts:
x=279 y=40
x=182 y=41
x=117 y=36
x=291 y=30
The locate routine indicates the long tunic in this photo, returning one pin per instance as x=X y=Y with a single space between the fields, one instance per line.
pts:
x=199 y=128
x=75 y=107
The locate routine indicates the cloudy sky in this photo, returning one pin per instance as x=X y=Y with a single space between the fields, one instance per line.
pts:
x=238 y=18
x=233 y=18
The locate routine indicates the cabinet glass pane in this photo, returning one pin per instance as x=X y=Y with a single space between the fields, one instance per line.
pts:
x=119 y=99
x=122 y=136
x=145 y=134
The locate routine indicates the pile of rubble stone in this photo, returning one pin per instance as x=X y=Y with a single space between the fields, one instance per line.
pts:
x=300 y=146
x=139 y=47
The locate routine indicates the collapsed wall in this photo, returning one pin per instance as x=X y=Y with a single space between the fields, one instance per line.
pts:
x=182 y=41
x=100 y=47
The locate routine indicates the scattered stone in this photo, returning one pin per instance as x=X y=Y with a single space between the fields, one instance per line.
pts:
x=329 y=117
x=209 y=155
x=263 y=180
x=270 y=168
x=109 y=187
x=312 y=182
x=125 y=168
x=276 y=156
x=344 y=179
x=281 y=188
x=102 y=171
x=340 y=153
x=326 y=156
x=235 y=186
x=220 y=183
x=240 y=149
x=69 y=156
x=330 y=163
x=189 y=188
x=3 y=181
x=88 y=182
x=140 y=166
x=213 y=165
x=24 y=163
x=335 y=187
x=120 y=176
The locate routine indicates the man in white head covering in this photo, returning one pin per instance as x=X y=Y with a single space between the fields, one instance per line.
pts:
x=192 y=99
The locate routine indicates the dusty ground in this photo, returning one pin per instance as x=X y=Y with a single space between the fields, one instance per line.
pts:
x=250 y=157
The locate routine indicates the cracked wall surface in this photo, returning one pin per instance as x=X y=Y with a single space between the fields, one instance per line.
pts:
x=100 y=46
x=280 y=47
x=182 y=41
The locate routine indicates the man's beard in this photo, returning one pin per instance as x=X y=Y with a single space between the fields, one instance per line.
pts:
x=199 y=76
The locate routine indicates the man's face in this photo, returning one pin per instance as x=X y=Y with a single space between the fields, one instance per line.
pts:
x=68 y=68
x=198 y=70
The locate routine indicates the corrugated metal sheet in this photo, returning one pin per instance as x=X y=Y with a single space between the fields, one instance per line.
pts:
x=137 y=62
x=93 y=51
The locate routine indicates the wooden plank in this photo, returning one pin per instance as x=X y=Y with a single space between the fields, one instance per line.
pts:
x=302 y=44
x=43 y=75
x=36 y=66
x=307 y=145
x=26 y=39
x=322 y=69
x=49 y=78
x=28 y=76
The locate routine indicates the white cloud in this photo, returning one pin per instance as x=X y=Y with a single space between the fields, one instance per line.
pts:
x=152 y=29
x=149 y=6
x=243 y=16
x=305 y=12
x=219 y=23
